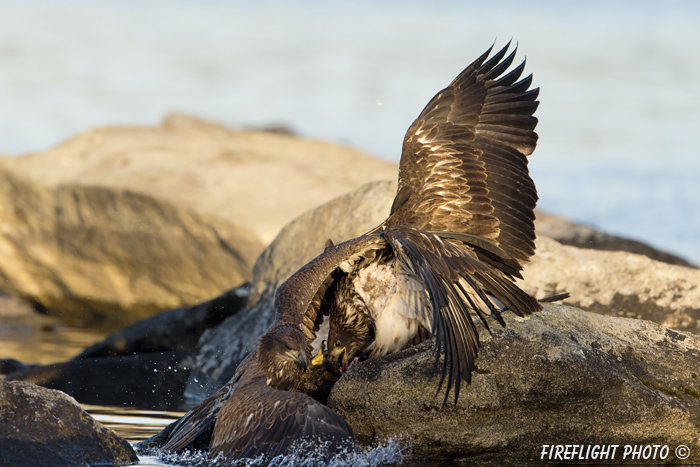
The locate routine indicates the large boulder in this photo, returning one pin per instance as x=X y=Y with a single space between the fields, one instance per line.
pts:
x=93 y=255
x=258 y=179
x=40 y=427
x=560 y=377
x=617 y=283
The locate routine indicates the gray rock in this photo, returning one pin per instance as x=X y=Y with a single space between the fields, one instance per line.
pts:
x=41 y=427
x=573 y=234
x=222 y=348
x=562 y=376
x=92 y=255
x=616 y=283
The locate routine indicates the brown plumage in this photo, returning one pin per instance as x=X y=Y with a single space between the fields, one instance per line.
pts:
x=460 y=229
x=255 y=414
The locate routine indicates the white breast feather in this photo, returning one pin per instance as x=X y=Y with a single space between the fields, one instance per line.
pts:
x=397 y=302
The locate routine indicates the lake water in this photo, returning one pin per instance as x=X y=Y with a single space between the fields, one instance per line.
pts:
x=620 y=102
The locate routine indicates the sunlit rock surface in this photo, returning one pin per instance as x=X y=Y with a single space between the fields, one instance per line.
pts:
x=257 y=179
x=93 y=255
x=562 y=376
x=42 y=427
x=617 y=283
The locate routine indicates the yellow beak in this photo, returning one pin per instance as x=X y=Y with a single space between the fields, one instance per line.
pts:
x=318 y=359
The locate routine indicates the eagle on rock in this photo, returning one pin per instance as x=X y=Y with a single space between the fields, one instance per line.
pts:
x=460 y=230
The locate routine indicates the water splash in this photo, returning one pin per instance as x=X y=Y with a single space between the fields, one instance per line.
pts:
x=304 y=454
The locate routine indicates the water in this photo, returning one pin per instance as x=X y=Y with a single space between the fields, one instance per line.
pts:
x=619 y=119
x=137 y=425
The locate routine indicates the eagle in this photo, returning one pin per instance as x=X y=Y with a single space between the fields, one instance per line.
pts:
x=255 y=414
x=459 y=232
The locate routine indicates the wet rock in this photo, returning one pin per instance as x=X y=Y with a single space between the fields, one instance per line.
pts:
x=348 y=216
x=562 y=376
x=41 y=427
x=256 y=179
x=173 y=330
x=95 y=255
x=145 y=381
x=617 y=283
x=570 y=233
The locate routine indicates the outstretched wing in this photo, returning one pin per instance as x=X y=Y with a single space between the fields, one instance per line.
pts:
x=464 y=167
x=259 y=420
x=458 y=283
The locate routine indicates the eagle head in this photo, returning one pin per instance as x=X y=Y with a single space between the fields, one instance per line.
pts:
x=343 y=345
x=282 y=353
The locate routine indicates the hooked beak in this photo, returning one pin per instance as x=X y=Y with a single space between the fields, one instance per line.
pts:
x=300 y=360
x=335 y=358
x=318 y=359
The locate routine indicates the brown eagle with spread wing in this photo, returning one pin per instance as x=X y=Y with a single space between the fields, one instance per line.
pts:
x=460 y=230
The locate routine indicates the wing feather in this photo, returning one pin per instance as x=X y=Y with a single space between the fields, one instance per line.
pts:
x=276 y=421
x=458 y=283
x=464 y=166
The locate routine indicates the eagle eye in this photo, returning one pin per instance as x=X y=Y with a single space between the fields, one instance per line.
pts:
x=337 y=343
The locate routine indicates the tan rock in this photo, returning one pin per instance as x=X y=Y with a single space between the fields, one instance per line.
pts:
x=617 y=283
x=560 y=377
x=97 y=254
x=259 y=179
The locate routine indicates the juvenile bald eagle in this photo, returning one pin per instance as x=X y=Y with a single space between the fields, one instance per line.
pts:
x=255 y=414
x=460 y=229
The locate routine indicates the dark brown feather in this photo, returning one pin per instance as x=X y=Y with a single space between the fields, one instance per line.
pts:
x=464 y=166
x=259 y=420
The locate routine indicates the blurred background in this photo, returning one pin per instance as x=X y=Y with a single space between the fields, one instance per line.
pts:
x=620 y=84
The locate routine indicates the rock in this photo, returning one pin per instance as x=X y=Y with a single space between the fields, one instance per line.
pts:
x=95 y=255
x=348 y=216
x=562 y=376
x=44 y=427
x=149 y=381
x=257 y=179
x=173 y=330
x=616 y=283
x=221 y=349
x=569 y=233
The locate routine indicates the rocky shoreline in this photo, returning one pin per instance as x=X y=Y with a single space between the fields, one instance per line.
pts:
x=160 y=233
